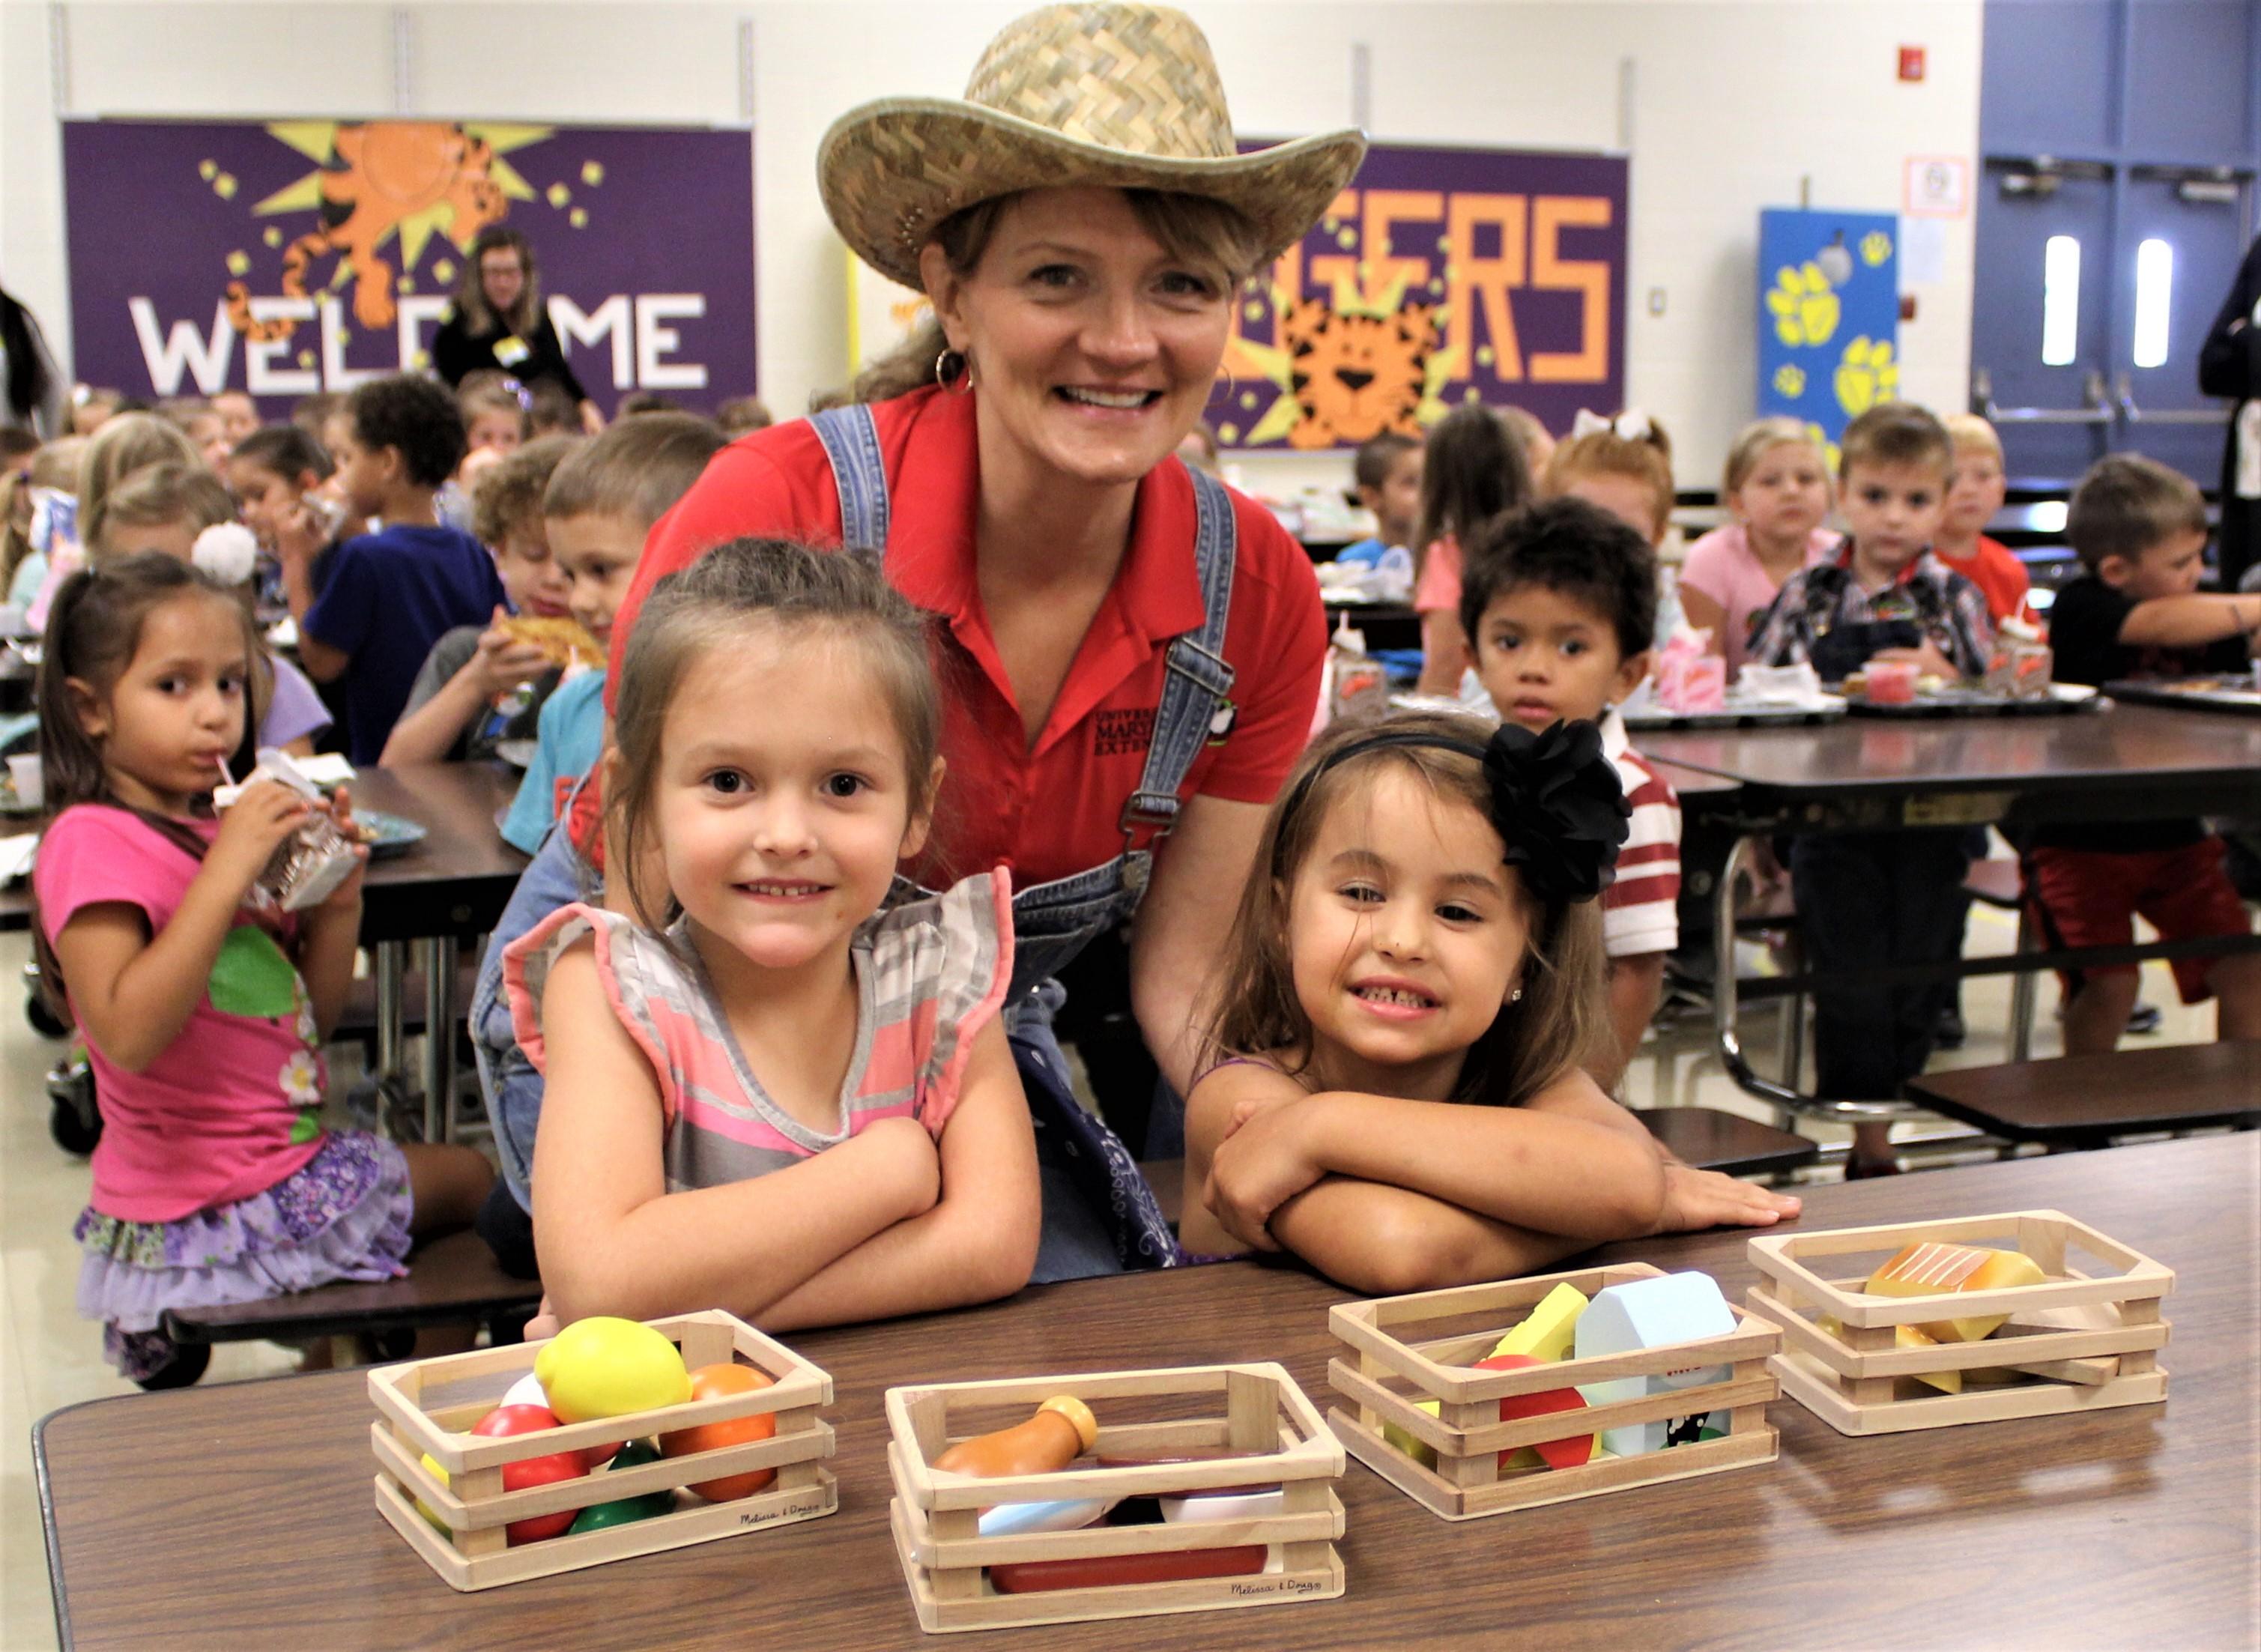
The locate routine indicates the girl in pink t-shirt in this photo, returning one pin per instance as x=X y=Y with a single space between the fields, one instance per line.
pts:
x=1777 y=487
x=203 y=1017
x=1474 y=468
x=777 y=1088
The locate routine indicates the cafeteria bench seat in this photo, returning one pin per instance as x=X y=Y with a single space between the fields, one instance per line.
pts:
x=453 y=1280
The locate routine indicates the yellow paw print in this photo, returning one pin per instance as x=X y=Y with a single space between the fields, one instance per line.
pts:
x=1831 y=452
x=1790 y=379
x=1875 y=247
x=1803 y=303
x=1867 y=375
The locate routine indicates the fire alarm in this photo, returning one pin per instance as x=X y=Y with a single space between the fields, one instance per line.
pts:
x=1910 y=62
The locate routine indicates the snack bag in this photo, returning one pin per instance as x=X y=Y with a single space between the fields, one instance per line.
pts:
x=313 y=860
x=1351 y=682
x=1690 y=677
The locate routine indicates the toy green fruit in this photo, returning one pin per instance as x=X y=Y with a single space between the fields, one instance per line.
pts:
x=606 y=1366
x=623 y=1510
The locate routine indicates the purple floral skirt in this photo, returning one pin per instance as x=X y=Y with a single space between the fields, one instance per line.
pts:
x=343 y=1214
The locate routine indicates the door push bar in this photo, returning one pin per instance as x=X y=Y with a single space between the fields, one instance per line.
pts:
x=2135 y=415
x=2096 y=410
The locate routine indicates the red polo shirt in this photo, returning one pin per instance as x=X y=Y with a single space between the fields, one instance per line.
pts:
x=1053 y=809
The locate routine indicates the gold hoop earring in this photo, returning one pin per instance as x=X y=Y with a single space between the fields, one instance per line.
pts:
x=954 y=370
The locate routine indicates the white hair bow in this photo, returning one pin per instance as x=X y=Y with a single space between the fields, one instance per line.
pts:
x=1631 y=425
x=226 y=552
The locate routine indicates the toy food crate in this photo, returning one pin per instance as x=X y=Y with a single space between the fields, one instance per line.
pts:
x=1256 y=1414
x=2079 y=1341
x=426 y=1404
x=1459 y=1327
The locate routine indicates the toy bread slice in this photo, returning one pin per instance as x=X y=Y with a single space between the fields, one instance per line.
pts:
x=1935 y=1269
x=1547 y=1334
x=1906 y=1337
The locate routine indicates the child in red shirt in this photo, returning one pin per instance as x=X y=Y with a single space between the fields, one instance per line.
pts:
x=1973 y=496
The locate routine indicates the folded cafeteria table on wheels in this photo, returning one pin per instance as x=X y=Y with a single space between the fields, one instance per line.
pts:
x=2118 y=1528
x=2114 y=763
x=448 y=889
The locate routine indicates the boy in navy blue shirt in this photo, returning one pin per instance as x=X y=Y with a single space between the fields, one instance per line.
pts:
x=388 y=596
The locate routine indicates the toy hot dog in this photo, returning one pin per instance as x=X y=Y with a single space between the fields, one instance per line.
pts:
x=1062 y=1430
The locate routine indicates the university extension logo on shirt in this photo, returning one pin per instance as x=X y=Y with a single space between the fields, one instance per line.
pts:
x=1124 y=734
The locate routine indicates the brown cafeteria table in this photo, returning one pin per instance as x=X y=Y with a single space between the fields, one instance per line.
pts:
x=448 y=888
x=457 y=879
x=243 y=1517
x=1864 y=773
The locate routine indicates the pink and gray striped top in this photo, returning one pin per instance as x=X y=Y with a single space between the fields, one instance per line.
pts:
x=929 y=974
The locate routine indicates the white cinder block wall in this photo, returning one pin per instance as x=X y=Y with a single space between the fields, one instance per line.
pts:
x=1731 y=107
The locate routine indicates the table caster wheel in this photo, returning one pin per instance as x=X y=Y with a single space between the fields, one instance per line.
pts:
x=73 y=1118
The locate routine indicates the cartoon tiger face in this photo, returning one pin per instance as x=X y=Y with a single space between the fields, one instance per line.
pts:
x=1355 y=376
x=381 y=174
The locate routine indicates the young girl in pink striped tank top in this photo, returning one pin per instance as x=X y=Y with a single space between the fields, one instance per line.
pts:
x=772 y=1091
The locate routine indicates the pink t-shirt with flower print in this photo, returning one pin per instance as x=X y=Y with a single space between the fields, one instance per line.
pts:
x=229 y=1107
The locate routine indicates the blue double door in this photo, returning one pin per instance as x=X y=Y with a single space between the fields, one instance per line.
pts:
x=2120 y=140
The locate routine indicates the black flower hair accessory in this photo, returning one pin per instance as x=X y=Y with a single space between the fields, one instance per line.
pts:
x=1558 y=804
x=1556 y=800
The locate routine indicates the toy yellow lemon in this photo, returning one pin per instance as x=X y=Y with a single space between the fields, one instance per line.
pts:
x=606 y=1366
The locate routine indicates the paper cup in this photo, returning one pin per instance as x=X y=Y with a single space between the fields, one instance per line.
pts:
x=24 y=773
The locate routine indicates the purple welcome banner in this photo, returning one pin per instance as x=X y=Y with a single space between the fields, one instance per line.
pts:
x=290 y=256
x=1440 y=277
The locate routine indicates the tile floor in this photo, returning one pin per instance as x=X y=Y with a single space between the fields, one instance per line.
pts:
x=49 y=1358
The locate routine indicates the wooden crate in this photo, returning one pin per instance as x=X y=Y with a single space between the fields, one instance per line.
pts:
x=424 y=1406
x=1394 y=1370
x=2081 y=1341
x=1255 y=1410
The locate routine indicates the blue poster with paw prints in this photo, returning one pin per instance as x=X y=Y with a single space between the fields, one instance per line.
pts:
x=1829 y=316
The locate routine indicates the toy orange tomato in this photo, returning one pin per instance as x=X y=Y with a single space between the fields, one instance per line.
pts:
x=717 y=1382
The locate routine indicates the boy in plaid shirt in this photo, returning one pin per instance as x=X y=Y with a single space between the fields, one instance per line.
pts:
x=1866 y=898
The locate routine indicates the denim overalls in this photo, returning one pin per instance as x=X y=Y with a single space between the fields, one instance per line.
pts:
x=1099 y=1215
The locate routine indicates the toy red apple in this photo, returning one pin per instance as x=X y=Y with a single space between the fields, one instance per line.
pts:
x=1557 y=1454
x=507 y=1420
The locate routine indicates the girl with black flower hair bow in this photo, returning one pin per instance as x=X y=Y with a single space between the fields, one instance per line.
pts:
x=1395 y=1085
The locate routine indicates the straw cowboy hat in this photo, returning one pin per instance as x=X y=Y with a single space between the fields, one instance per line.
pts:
x=1124 y=97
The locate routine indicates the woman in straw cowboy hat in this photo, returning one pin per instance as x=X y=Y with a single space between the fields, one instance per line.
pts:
x=1132 y=653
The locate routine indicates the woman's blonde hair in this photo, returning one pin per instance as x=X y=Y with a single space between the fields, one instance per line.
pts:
x=525 y=316
x=126 y=444
x=1193 y=229
x=1646 y=458
x=1559 y=1023
x=1757 y=439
